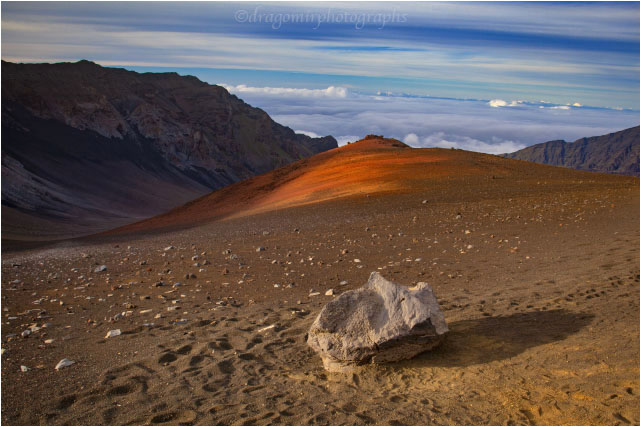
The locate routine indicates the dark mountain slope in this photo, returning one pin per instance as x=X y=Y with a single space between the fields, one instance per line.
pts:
x=89 y=148
x=612 y=153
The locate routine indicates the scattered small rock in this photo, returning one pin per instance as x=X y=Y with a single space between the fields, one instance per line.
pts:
x=113 y=333
x=267 y=328
x=63 y=364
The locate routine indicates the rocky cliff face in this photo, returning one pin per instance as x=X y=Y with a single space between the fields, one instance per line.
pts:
x=96 y=147
x=612 y=153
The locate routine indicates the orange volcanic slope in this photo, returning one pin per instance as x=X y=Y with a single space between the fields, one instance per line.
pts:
x=370 y=166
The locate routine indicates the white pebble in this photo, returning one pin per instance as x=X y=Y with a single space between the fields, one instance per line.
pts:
x=64 y=363
x=113 y=333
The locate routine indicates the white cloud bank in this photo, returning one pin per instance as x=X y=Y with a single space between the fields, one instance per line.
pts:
x=495 y=146
x=330 y=92
x=308 y=133
x=442 y=140
x=432 y=122
x=344 y=139
x=501 y=103
x=411 y=139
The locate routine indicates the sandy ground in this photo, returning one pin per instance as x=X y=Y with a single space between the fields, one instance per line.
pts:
x=540 y=288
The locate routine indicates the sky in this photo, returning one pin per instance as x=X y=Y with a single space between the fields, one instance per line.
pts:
x=491 y=77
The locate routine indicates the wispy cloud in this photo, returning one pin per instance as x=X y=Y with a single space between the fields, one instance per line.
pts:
x=577 y=52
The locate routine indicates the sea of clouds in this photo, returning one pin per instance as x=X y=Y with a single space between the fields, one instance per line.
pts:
x=490 y=126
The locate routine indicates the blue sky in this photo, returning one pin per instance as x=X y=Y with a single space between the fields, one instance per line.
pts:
x=566 y=54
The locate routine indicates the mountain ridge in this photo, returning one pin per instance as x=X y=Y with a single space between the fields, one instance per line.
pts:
x=616 y=152
x=90 y=147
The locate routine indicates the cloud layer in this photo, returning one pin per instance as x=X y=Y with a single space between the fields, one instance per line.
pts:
x=330 y=92
x=475 y=125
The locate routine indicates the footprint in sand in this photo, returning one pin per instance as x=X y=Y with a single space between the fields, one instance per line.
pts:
x=196 y=360
x=220 y=344
x=167 y=358
x=187 y=417
x=256 y=339
x=184 y=349
x=226 y=367
x=120 y=390
x=66 y=402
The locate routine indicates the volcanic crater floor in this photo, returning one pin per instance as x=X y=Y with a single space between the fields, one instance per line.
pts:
x=540 y=289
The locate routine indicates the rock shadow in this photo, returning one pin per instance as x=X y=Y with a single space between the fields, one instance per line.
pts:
x=489 y=339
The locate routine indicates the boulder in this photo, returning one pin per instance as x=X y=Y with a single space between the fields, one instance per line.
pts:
x=381 y=322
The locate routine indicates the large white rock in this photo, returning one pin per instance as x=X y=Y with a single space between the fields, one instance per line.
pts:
x=380 y=322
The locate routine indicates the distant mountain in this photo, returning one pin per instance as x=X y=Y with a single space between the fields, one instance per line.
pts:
x=612 y=153
x=85 y=148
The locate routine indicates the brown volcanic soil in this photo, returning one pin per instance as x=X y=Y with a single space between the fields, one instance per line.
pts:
x=542 y=299
x=371 y=166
